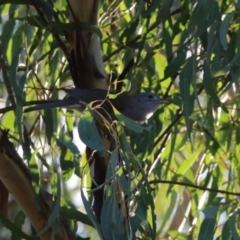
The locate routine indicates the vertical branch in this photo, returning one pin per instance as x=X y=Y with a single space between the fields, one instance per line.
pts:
x=89 y=72
x=86 y=46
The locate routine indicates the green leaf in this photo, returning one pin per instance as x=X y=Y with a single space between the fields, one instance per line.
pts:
x=187 y=164
x=211 y=38
x=88 y=131
x=91 y=214
x=56 y=208
x=129 y=30
x=19 y=222
x=211 y=211
x=67 y=141
x=207 y=229
x=107 y=218
x=226 y=232
x=129 y=123
x=174 y=64
x=208 y=82
x=48 y=120
x=139 y=217
x=187 y=93
x=45 y=7
x=34 y=171
x=111 y=213
x=6 y=35
x=12 y=74
x=232 y=224
x=12 y=227
x=209 y=86
x=76 y=215
x=224 y=29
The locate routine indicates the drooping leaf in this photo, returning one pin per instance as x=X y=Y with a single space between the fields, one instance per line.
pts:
x=88 y=131
x=224 y=29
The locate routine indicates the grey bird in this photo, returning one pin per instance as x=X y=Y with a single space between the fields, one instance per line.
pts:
x=138 y=107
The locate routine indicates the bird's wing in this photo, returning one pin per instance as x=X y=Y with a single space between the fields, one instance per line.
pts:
x=86 y=95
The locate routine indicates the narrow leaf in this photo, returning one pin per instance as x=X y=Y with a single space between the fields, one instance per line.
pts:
x=88 y=131
x=9 y=225
x=187 y=93
x=224 y=29
x=129 y=123
x=207 y=229
x=91 y=214
x=66 y=140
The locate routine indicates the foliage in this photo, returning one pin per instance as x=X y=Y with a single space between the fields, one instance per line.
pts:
x=183 y=173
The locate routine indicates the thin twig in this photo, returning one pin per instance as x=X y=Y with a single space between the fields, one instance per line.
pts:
x=194 y=186
x=7 y=109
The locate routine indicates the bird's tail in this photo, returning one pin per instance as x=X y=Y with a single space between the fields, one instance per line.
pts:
x=64 y=103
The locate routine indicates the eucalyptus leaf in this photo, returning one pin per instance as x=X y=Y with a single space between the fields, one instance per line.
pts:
x=13 y=228
x=224 y=29
x=88 y=131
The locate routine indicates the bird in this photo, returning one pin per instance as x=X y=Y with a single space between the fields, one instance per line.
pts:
x=138 y=107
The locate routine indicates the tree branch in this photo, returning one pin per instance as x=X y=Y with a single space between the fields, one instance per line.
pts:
x=194 y=186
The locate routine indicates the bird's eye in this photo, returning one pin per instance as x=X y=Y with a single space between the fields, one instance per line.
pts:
x=150 y=96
